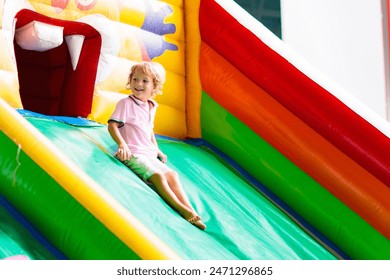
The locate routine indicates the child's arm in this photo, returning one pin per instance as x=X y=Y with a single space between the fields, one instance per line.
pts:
x=123 y=153
x=160 y=155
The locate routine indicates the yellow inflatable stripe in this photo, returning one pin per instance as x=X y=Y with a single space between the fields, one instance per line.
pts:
x=193 y=84
x=86 y=191
x=103 y=105
x=176 y=17
x=170 y=122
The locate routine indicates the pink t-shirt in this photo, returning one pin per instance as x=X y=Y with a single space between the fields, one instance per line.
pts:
x=136 y=122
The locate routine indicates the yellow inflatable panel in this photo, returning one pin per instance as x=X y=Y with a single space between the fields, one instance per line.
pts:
x=170 y=121
x=138 y=30
x=174 y=61
x=132 y=40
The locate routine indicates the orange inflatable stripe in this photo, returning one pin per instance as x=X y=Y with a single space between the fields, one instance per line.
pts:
x=335 y=171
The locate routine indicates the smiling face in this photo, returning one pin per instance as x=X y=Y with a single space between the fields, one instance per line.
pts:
x=142 y=85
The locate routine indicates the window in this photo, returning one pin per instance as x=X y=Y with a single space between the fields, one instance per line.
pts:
x=265 y=11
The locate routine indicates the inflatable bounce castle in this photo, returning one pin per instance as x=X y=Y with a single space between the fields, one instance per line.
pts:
x=280 y=162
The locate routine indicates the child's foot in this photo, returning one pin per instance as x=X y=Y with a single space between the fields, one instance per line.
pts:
x=196 y=221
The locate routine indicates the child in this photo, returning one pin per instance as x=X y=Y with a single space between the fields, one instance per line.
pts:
x=131 y=127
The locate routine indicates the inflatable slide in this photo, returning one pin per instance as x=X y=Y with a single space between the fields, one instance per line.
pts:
x=279 y=161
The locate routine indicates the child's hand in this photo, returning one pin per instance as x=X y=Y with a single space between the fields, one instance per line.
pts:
x=123 y=153
x=161 y=156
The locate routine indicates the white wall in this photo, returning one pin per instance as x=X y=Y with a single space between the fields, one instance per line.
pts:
x=344 y=40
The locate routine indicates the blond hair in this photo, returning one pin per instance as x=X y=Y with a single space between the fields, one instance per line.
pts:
x=153 y=69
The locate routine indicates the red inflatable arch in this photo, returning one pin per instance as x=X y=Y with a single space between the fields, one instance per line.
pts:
x=49 y=82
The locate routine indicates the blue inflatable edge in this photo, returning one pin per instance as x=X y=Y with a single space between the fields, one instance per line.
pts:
x=75 y=121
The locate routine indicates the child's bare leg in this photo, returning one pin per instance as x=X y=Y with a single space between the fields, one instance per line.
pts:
x=174 y=184
x=165 y=191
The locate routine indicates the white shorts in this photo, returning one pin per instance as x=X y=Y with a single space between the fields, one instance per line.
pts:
x=145 y=166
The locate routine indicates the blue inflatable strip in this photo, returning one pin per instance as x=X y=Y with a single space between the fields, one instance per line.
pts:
x=31 y=229
x=63 y=119
x=201 y=143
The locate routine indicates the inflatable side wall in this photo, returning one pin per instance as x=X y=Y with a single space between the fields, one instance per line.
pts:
x=294 y=130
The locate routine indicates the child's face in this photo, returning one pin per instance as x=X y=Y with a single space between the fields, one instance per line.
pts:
x=142 y=85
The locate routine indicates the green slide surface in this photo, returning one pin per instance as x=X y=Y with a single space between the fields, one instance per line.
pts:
x=241 y=222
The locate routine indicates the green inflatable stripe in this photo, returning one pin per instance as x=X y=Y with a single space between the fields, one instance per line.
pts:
x=61 y=219
x=304 y=195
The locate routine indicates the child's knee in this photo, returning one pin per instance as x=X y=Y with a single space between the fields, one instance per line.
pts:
x=157 y=177
x=172 y=175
